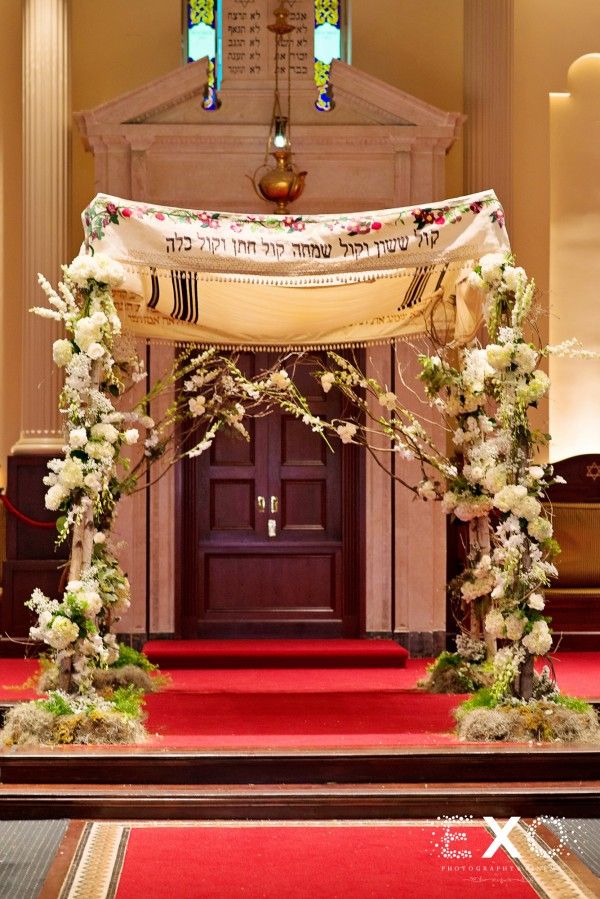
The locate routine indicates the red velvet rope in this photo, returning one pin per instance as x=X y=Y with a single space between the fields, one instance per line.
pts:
x=25 y=518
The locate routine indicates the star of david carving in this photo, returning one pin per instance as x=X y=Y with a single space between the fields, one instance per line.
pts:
x=593 y=471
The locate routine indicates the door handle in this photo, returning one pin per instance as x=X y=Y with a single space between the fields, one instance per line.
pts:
x=274 y=505
x=261 y=503
x=272 y=527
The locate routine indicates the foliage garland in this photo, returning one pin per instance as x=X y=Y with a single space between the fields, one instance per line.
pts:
x=492 y=481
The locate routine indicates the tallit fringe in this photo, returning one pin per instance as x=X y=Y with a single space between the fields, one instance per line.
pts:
x=284 y=347
x=333 y=280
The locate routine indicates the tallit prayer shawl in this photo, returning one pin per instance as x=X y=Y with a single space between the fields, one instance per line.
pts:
x=294 y=281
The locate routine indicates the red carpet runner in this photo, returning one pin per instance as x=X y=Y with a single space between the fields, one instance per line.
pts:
x=275 y=653
x=320 y=861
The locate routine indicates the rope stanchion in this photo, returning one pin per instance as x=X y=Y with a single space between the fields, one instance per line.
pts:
x=32 y=522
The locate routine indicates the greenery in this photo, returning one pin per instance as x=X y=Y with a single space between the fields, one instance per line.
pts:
x=130 y=656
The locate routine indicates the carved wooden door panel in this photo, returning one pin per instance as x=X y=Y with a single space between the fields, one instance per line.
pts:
x=274 y=519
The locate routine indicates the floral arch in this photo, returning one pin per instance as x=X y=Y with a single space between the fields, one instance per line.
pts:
x=296 y=283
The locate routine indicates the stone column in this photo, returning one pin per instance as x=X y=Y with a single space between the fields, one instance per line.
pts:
x=488 y=84
x=46 y=110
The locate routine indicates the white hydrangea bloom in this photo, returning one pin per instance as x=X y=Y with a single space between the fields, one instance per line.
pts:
x=499 y=356
x=540 y=529
x=62 y=352
x=539 y=640
x=536 y=601
x=55 y=497
x=78 y=437
x=61 y=633
x=105 y=431
x=71 y=474
x=494 y=623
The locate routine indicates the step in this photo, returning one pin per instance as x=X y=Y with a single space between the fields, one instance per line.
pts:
x=458 y=764
x=299 y=802
x=276 y=653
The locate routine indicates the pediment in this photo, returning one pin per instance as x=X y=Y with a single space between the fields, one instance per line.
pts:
x=174 y=99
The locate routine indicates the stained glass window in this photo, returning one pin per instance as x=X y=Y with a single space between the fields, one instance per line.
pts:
x=204 y=39
x=328 y=46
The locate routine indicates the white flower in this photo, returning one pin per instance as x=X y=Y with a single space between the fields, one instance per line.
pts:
x=327 y=381
x=95 y=350
x=131 y=436
x=78 y=437
x=475 y=279
x=71 y=474
x=525 y=357
x=515 y=625
x=147 y=422
x=539 y=640
x=536 y=601
x=499 y=356
x=491 y=267
x=62 y=352
x=481 y=586
x=537 y=387
x=529 y=507
x=280 y=380
x=427 y=490
x=105 y=431
x=514 y=278
x=509 y=497
x=495 y=478
x=540 y=529
x=62 y=632
x=494 y=623
x=346 y=432
x=92 y=482
x=197 y=405
x=474 y=507
x=99 y=267
x=99 y=538
x=92 y=601
x=86 y=333
x=388 y=400
x=536 y=471
x=100 y=450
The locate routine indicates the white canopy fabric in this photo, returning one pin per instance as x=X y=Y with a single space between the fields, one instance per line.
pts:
x=294 y=281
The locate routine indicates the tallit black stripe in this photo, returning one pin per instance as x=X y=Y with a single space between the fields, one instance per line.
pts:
x=195 y=309
x=416 y=287
x=442 y=275
x=183 y=293
x=153 y=302
x=176 y=298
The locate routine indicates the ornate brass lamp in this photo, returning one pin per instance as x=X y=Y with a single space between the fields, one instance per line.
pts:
x=281 y=184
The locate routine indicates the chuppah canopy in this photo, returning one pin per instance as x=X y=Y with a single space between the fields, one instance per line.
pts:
x=295 y=281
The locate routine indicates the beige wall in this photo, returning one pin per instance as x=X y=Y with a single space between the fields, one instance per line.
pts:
x=549 y=36
x=10 y=227
x=418 y=47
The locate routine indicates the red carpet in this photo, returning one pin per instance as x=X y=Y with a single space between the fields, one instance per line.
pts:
x=262 y=718
x=275 y=653
x=320 y=861
x=242 y=708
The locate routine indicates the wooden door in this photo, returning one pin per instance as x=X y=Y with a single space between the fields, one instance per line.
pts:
x=274 y=527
